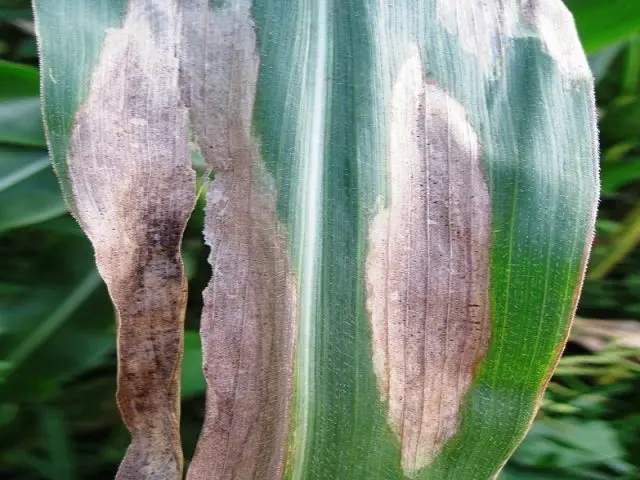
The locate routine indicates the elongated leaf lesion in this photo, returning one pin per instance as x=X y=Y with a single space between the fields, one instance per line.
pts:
x=428 y=266
x=133 y=190
x=249 y=306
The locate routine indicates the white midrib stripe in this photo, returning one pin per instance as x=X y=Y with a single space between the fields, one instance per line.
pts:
x=312 y=161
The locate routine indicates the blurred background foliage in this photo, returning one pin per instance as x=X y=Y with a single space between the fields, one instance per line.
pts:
x=58 y=419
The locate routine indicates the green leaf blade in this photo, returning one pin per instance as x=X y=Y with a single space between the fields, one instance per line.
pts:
x=70 y=38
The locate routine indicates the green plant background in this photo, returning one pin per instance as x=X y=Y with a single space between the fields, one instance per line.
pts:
x=58 y=418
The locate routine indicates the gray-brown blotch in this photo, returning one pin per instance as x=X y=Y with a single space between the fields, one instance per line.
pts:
x=134 y=188
x=484 y=28
x=427 y=270
x=249 y=306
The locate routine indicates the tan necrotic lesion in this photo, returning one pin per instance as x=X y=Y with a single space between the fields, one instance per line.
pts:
x=427 y=270
x=484 y=29
x=250 y=304
x=134 y=189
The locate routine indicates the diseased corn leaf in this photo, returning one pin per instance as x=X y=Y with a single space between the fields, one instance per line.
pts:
x=249 y=305
x=402 y=208
x=392 y=378
x=126 y=168
x=428 y=260
x=70 y=39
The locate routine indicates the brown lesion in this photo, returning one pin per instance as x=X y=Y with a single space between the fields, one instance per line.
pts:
x=428 y=267
x=247 y=333
x=134 y=189
x=247 y=323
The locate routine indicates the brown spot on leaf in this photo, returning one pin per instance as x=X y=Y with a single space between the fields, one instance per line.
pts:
x=248 y=317
x=134 y=189
x=428 y=267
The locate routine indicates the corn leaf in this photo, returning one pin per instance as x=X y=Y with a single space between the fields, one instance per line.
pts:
x=401 y=214
x=119 y=142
